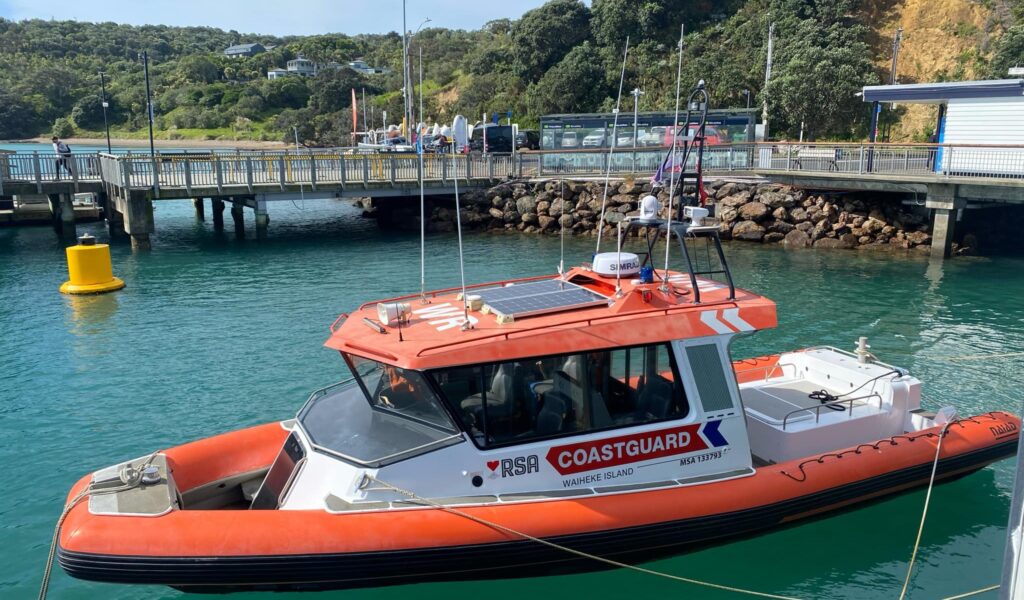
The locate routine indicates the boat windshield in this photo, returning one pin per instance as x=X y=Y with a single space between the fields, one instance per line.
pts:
x=384 y=415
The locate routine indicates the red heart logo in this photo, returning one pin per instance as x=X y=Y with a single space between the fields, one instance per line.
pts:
x=492 y=464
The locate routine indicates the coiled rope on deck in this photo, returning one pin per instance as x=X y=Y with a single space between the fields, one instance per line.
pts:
x=580 y=553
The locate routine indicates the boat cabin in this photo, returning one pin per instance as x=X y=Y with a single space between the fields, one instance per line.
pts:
x=608 y=378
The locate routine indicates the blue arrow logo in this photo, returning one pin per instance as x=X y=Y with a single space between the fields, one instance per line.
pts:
x=712 y=434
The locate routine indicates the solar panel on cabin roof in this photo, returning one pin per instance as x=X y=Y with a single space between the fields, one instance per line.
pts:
x=538 y=297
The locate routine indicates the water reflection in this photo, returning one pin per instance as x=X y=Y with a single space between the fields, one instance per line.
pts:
x=90 y=314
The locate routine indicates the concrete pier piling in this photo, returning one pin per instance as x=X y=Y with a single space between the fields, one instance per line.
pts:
x=67 y=217
x=217 y=207
x=238 y=216
x=262 y=219
x=138 y=220
x=197 y=203
x=944 y=201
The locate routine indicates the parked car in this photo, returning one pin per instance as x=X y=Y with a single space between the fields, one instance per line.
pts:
x=712 y=137
x=654 y=137
x=528 y=140
x=595 y=139
x=570 y=140
x=499 y=138
x=625 y=139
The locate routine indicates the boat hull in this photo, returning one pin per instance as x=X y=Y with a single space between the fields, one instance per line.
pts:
x=231 y=549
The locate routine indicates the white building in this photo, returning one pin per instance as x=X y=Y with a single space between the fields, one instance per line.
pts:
x=302 y=66
x=985 y=113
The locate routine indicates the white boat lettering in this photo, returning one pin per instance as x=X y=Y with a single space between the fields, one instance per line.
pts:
x=445 y=316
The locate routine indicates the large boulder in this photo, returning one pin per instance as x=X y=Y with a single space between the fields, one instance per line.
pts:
x=797 y=239
x=530 y=218
x=775 y=199
x=630 y=187
x=797 y=214
x=496 y=213
x=778 y=226
x=511 y=216
x=748 y=231
x=754 y=211
x=543 y=206
x=726 y=189
x=526 y=204
x=773 y=238
x=918 y=238
x=545 y=222
x=728 y=215
x=734 y=200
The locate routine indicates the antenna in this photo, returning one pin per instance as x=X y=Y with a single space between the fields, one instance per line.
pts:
x=611 y=146
x=672 y=160
x=423 y=225
x=561 y=231
x=458 y=228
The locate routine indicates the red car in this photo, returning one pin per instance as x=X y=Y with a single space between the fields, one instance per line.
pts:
x=712 y=137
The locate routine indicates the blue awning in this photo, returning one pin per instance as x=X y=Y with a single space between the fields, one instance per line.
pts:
x=937 y=93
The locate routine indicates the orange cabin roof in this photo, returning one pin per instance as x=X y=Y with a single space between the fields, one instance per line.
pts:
x=641 y=314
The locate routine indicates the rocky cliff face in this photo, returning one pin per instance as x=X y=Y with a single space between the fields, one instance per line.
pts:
x=750 y=212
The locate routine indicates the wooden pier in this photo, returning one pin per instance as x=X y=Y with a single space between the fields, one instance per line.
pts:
x=947 y=178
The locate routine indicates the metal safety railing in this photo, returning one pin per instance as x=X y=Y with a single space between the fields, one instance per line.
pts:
x=313 y=168
x=249 y=169
x=930 y=160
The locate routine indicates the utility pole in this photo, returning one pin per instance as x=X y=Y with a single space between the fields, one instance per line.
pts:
x=405 y=71
x=366 y=128
x=636 y=103
x=421 y=88
x=149 y=102
x=768 y=77
x=895 y=54
x=104 y=103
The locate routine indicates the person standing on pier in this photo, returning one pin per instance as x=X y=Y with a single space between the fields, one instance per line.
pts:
x=63 y=152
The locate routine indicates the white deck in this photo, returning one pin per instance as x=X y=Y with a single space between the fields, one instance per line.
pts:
x=785 y=422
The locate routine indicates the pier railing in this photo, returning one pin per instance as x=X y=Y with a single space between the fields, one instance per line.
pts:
x=933 y=160
x=178 y=173
x=286 y=169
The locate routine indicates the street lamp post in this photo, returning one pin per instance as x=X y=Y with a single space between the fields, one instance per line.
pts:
x=407 y=69
x=144 y=56
x=104 y=103
x=636 y=103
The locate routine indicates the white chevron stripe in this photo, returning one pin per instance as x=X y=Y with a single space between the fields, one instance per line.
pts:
x=732 y=317
x=710 y=318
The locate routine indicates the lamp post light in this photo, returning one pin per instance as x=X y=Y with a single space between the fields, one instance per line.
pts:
x=636 y=103
x=407 y=64
x=144 y=57
x=105 y=104
x=747 y=94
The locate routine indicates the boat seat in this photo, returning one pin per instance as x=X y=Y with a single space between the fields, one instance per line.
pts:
x=772 y=403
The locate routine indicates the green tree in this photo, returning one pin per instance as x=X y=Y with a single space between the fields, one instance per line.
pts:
x=816 y=84
x=545 y=35
x=331 y=89
x=16 y=118
x=88 y=112
x=576 y=84
x=62 y=128
x=1009 y=52
x=197 y=69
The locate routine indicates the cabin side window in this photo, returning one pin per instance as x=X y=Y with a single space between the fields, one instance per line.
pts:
x=518 y=401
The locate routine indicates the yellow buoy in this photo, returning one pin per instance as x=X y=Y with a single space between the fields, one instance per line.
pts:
x=89 y=270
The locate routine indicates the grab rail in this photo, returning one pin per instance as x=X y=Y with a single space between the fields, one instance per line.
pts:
x=334 y=325
x=817 y=409
x=769 y=369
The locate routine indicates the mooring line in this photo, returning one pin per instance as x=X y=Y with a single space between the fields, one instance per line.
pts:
x=973 y=593
x=924 y=512
x=580 y=553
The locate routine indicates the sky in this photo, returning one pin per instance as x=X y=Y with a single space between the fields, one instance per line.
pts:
x=294 y=17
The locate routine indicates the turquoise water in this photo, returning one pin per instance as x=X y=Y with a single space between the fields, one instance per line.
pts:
x=214 y=333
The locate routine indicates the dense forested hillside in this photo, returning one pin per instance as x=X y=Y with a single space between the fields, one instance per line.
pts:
x=561 y=57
